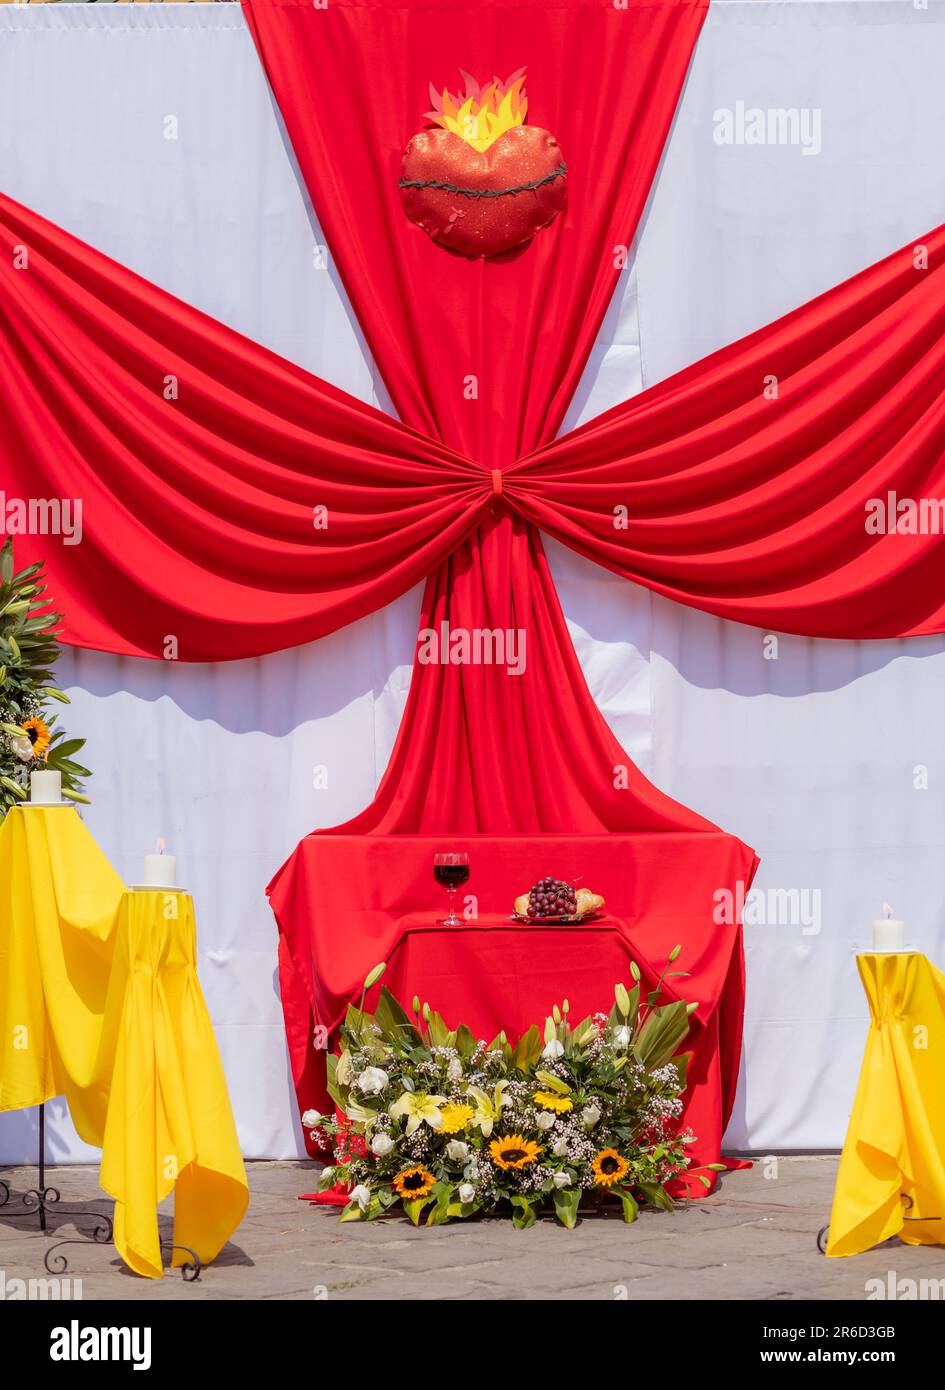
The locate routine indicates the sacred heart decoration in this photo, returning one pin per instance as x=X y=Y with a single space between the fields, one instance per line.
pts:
x=484 y=181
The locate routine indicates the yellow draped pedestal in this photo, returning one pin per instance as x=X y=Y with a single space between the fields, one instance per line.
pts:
x=891 y=1180
x=100 y=1002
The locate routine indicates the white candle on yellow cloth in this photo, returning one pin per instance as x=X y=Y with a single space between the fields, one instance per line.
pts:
x=889 y=932
x=160 y=869
x=45 y=788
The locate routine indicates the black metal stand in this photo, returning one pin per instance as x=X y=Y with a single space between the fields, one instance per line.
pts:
x=42 y=1199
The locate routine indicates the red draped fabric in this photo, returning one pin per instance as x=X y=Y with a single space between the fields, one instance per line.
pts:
x=485 y=354
x=346 y=899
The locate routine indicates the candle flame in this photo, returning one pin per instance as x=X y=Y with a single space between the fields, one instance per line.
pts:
x=160 y=846
x=887 y=909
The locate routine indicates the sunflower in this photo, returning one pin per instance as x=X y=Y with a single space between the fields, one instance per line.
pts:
x=512 y=1151
x=549 y=1101
x=455 y=1118
x=413 y=1182
x=38 y=734
x=609 y=1168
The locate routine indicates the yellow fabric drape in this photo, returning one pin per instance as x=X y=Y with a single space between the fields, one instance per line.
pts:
x=895 y=1144
x=58 y=900
x=170 y=1127
x=100 y=1002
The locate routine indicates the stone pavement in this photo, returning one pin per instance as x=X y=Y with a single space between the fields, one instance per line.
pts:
x=754 y=1239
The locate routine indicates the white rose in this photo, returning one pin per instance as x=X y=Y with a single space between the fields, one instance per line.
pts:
x=470 y=1171
x=22 y=748
x=455 y=1069
x=311 y=1119
x=622 y=1036
x=372 y=1080
x=562 y=1180
x=552 y=1049
x=546 y=1119
x=361 y=1195
x=560 y=1148
x=381 y=1144
x=457 y=1150
x=467 y=1193
x=589 y=1116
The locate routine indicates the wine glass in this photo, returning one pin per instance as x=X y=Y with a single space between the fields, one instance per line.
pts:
x=451 y=869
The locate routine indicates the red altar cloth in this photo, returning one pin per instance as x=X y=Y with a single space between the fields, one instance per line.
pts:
x=344 y=903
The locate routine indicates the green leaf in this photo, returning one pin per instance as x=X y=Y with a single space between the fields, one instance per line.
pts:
x=629 y=1203
x=394 y=1020
x=566 y=1202
x=353 y=1212
x=523 y=1214
x=528 y=1049
x=656 y=1195
x=661 y=1033
x=414 y=1208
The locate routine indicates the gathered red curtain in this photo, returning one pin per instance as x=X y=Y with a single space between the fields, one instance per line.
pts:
x=200 y=460
x=793 y=480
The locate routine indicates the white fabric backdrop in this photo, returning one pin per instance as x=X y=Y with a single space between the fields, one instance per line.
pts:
x=810 y=757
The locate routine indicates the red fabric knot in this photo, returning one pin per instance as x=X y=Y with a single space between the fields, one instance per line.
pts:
x=497 y=481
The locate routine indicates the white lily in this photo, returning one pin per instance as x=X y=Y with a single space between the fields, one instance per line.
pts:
x=419 y=1109
x=488 y=1108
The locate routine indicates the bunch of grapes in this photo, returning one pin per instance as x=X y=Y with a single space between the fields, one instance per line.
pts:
x=552 y=897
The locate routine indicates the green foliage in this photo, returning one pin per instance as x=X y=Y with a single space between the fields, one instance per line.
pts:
x=28 y=652
x=446 y=1126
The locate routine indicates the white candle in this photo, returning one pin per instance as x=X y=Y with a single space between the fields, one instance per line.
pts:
x=46 y=788
x=160 y=869
x=889 y=932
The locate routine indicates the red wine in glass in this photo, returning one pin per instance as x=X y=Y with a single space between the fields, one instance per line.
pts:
x=451 y=869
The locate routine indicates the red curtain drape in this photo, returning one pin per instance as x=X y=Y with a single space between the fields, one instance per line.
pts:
x=484 y=355
x=743 y=481
x=199 y=459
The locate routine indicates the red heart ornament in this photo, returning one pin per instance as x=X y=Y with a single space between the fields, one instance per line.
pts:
x=481 y=202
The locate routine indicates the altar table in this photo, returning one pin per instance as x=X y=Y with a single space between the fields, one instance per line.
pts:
x=344 y=903
x=891 y=1180
x=100 y=1002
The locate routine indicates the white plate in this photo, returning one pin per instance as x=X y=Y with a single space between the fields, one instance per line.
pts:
x=156 y=888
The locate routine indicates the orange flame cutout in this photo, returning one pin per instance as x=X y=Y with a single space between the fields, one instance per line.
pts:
x=481 y=114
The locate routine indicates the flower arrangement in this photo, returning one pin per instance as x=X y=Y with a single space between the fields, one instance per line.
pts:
x=451 y=1126
x=28 y=648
